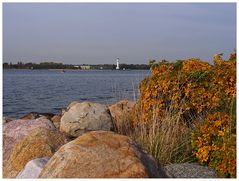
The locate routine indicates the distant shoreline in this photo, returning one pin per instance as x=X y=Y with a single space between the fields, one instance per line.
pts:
x=72 y=69
x=59 y=66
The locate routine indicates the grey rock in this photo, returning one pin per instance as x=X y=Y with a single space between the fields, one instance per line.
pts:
x=33 y=168
x=189 y=170
x=86 y=116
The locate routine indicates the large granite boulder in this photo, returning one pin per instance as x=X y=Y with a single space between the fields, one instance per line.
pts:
x=40 y=142
x=189 y=170
x=33 y=168
x=101 y=154
x=15 y=130
x=120 y=110
x=84 y=117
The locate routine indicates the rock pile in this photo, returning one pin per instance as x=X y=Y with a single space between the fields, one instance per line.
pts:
x=79 y=143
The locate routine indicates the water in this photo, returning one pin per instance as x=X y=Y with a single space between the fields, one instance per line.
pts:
x=27 y=91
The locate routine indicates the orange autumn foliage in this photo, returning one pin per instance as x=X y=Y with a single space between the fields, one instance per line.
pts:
x=193 y=89
x=214 y=144
x=189 y=88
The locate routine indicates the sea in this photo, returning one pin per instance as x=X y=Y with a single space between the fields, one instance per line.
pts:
x=47 y=91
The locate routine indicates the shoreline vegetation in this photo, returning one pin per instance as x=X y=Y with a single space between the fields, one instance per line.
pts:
x=183 y=124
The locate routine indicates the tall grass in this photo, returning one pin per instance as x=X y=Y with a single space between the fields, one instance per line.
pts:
x=167 y=139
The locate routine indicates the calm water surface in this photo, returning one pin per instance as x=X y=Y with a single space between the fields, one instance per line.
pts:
x=47 y=90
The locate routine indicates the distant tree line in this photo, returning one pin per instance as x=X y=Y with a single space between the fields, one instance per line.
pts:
x=135 y=66
x=122 y=66
x=53 y=65
x=43 y=65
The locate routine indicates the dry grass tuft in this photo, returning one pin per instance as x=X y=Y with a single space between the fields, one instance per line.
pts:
x=167 y=139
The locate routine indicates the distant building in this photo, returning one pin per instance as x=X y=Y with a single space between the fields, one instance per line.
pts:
x=85 y=67
x=76 y=66
x=117 y=64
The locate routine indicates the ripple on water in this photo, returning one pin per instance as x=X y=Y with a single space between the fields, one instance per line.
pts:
x=43 y=91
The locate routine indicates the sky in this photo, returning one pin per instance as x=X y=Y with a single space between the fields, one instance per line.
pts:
x=98 y=33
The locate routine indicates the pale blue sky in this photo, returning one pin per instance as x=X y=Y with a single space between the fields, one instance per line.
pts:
x=99 y=33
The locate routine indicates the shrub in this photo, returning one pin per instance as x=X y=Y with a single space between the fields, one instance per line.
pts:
x=214 y=144
x=190 y=91
x=191 y=88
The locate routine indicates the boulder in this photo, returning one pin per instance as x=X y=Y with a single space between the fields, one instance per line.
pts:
x=17 y=129
x=120 y=110
x=84 y=117
x=189 y=170
x=101 y=154
x=33 y=168
x=40 y=142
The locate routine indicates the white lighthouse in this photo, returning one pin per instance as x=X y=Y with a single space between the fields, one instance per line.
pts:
x=117 y=64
